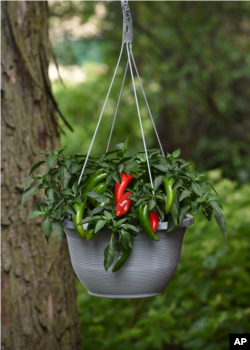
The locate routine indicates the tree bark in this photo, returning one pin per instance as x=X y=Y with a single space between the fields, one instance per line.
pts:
x=38 y=283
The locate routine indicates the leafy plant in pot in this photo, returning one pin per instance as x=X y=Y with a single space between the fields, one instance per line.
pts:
x=113 y=210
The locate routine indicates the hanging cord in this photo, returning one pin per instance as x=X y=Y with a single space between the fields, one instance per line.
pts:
x=156 y=133
x=138 y=110
x=112 y=128
x=93 y=139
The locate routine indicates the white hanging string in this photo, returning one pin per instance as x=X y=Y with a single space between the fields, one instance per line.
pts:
x=127 y=41
x=139 y=115
x=112 y=128
x=156 y=133
x=101 y=116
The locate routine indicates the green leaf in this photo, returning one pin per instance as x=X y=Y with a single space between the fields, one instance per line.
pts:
x=99 y=225
x=215 y=206
x=199 y=177
x=200 y=200
x=70 y=209
x=131 y=164
x=184 y=195
x=195 y=207
x=120 y=168
x=43 y=153
x=221 y=222
x=75 y=168
x=66 y=192
x=109 y=152
x=158 y=181
x=161 y=212
x=88 y=219
x=36 y=166
x=175 y=212
x=183 y=213
x=117 y=177
x=75 y=186
x=55 y=175
x=125 y=238
x=120 y=146
x=109 y=179
x=92 y=194
x=47 y=226
x=56 y=204
x=123 y=160
x=68 y=163
x=171 y=224
x=178 y=183
x=96 y=196
x=51 y=160
x=213 y=197
x=121 y=221
x=162 y=167
x=176 y=153
x=142 y=157
x=27 y=184
x=159 y=196
x=29 y=193
x=97 y=210
x=152 y=204
x=35 y=214
x=58 y=229
x=196 y=188
x=133 y=197
x=108 y=215
x=131 y=227
x=138 y=202
x=45 y=202
x=62 y=149
x=208 y=213
x=207 y=184
x=184 y=165
x=50 y=194
x=126 y=143
x=110 y=253
x=65 y=177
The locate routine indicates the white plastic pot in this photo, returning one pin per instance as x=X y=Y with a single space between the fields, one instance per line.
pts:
x=147 y=271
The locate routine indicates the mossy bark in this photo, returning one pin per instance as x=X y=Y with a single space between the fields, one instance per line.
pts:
x=38 y=284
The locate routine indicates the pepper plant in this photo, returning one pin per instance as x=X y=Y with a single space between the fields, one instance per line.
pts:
x=115 y=193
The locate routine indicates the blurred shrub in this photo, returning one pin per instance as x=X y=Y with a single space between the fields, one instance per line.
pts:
x=195 y=61
x=82 y=105
x=207 y=299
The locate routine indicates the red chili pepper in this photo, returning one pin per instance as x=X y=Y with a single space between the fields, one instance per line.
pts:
x=154 y=220
x=123 y=205
x=120 y=188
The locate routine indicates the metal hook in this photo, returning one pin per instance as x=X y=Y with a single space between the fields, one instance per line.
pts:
x=127 y=23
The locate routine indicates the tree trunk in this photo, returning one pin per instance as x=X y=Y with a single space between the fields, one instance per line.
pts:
x=38 y=283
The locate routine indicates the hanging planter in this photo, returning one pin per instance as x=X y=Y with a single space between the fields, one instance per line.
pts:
x=125 y=216
x=146 y=273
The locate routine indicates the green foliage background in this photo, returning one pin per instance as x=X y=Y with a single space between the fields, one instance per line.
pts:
x=207 y=299
x=194 y=60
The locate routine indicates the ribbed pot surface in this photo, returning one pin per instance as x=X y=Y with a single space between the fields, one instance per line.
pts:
x=147 y=271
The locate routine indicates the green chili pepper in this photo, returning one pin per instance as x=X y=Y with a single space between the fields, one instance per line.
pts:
x=78 y=218
x=145 y=223
x=170 y=193
x=93 y=180
x=90 y=232
x=122 y=258
x=100 y=188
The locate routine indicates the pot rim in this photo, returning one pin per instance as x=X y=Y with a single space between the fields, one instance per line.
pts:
x=188 y=221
